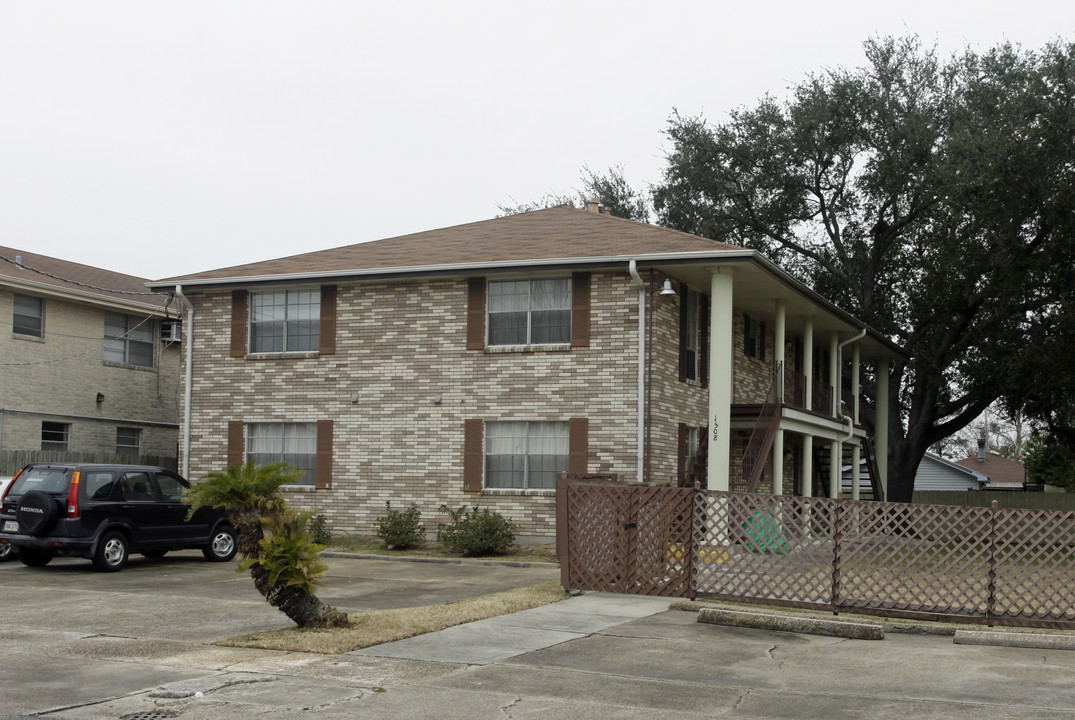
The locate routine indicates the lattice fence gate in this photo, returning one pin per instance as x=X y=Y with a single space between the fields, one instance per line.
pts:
x=978 y=565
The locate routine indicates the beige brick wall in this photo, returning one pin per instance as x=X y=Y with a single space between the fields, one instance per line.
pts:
x=399 y=346
x=57 y=378
x=402 y=344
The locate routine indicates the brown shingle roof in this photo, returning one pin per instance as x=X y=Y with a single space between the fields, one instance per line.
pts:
x=552 y=234
x=63 y=275
x=999 y=469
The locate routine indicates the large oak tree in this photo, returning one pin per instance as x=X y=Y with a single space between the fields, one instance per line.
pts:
x=932 y=197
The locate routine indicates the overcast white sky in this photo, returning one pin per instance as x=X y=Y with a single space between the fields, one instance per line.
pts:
x=163 y=138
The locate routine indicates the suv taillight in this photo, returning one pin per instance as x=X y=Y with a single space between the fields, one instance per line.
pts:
x=10 y=485
x=72 y=496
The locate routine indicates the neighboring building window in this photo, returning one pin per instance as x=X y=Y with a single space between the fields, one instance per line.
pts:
x=128 y=441
x=129 y=339
x=692 y=340
x=55 y=436
x=293 y=443
x=753 y=338
x=27 y=319
x=530 y=312
x=525 y=454
x=285 y=321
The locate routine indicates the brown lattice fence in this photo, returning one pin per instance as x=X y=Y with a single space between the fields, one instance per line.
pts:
x=984 y=565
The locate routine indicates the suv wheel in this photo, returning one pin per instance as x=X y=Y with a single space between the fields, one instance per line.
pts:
x=35 y=557
x=222 y=546
x=112 y=551
x=7 y=551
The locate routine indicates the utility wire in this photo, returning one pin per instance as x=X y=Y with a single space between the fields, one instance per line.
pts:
x=23 y=266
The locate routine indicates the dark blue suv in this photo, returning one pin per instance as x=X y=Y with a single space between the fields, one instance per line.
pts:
x=106 y=512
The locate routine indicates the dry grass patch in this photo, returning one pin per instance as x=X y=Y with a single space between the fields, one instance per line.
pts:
x=381 y=626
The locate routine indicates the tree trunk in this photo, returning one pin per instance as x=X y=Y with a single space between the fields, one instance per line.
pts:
x=303 y=608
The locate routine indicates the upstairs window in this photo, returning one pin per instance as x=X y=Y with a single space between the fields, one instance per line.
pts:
x=27 y=319
x=692 y=339
x=129 y=340
x=525 y=454
x=753 y=338
x=285 y=321
x=530 y=312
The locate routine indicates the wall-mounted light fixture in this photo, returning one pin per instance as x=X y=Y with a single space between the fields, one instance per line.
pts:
x=100 y=398
x=667 y=289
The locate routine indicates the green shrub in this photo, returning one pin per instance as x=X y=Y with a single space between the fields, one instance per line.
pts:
x=478 y=533
x=400 y=530
x=318 y=529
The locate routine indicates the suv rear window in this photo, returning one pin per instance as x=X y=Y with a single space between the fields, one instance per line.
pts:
x=50 y=480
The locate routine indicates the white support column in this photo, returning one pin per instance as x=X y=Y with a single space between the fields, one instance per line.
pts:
x=721 y=320
x=808 y=466
x=780 y=343
x=778 y=462
x=856 y=387
x=834 y=372
x=881 y=423
x=808 y=362
x=836 y=457
x=856 y=474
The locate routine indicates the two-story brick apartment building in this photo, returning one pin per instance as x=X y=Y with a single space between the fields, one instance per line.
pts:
x=469 y=365
x=83 y=366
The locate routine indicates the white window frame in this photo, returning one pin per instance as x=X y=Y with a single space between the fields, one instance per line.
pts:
x=753 y=339
x=137 y=334
x=493 y=299
x=61 y=436
x=128 y=434
x=691 y=438
x=18 y=319
x=693 y=341
x=291 y=442
x=522 y=438
x=289 y=311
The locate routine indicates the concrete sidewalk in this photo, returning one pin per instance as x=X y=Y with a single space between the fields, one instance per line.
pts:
x=499 y=638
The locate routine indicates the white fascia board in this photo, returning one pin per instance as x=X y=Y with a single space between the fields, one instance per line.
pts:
x=458 y=269
x=82 y=296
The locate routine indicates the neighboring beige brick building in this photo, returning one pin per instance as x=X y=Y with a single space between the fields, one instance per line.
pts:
x=470 y=365
x=83 y=368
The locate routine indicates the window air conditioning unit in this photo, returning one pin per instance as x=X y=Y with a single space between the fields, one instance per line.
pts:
x=171 y=331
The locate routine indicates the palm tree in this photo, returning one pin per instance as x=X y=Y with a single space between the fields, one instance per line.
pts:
x=282 y=559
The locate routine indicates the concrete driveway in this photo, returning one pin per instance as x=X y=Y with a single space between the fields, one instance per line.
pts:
x=85 y=646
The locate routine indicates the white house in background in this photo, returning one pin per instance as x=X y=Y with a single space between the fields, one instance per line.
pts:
x=934 y=473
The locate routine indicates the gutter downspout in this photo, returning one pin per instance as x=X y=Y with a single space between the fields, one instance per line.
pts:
x=840 y=365
x=633 y=269
x=188 y=339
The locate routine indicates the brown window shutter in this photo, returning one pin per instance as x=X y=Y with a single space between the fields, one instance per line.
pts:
x=683 y=333
x=327 y=330
x=476 y=314
x=580 y=309
x=473 y=457
x=681 y=456
x=578 y=445
x=236 y=443
x=324 y=454
x=761 y=342
x=703 y=354
x=238 y=323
